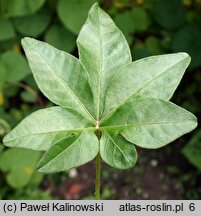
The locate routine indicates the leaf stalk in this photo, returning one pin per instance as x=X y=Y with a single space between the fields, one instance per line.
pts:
x=98 y=175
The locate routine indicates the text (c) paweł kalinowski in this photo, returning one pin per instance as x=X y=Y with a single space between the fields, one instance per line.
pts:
x=96 y=207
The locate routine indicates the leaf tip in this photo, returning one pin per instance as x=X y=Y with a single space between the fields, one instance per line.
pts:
x=24 y=40
x=96 y=4
x=27 y=41
x=185 y=55
x=40 y=169
x=40 y=164
x=94 y=7
x=6 y=140
x=195 y=121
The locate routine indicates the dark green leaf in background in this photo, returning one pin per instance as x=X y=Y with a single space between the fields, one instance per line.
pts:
x=6 y=29
x=3 y=75
x=10 y=44
x=135 y=20
x=33 y=25
x=1 y=148
x=73 y=13
x=28 y=97
x=12 y=8
x=188 y=39
x=10 y=90
x=16 y=66
x=125 y=22
x=60 y=37
x=4 y=126
x=192 y=150
x=154 y=46
x=19 y=164
x=139 y=51
x=170 y=14
x=30 y=81
x=140 y=19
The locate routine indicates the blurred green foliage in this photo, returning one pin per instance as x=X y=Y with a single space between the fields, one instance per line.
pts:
x=19 y=166
x=151 y=27
x=192 y=151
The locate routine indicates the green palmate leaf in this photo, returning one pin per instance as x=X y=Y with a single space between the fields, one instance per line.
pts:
x=70 y=152
x=59 y=75
x=116 y=151
x=108 y=103
x=155 y=77
x=13 y=8
x=103 y=50
x=151 y=123
x=45 y=127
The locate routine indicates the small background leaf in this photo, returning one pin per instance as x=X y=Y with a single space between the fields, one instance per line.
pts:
x=28 y=97
x=13 y=8
x=73 y=13
x=60 y=37
x=188 y=40
x=127 y=29
x=3 y=75
x=169 y=14
x=39 y=22
x=16 y=66
x=20 y=166
x=192 y=150
x=140 y=19
x=4 y=127
x=6 y=29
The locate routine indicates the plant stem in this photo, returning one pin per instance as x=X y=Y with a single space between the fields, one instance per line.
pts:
x=98 y=174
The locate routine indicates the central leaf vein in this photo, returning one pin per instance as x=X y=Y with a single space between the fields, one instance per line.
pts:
x=107 y=116
x=63 y=83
